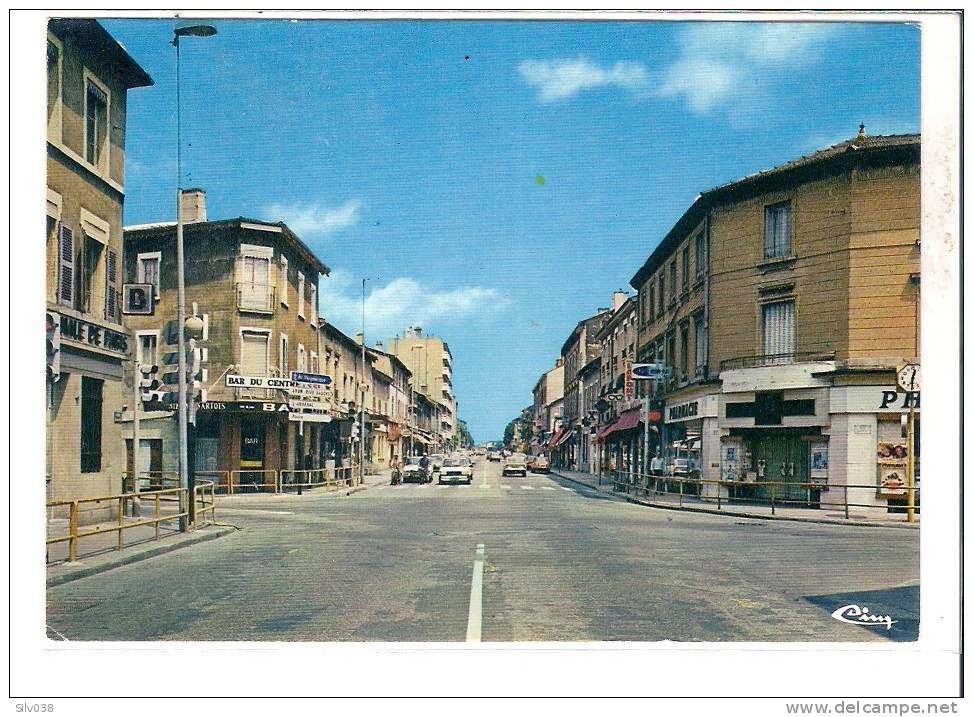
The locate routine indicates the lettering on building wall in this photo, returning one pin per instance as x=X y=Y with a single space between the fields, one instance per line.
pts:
x=910 y=399
x=94 y=335
x=684 y=410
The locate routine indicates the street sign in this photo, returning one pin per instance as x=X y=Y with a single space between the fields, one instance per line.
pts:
x=310 y=417
x=908 y=377
x=299 y=404
x=138 y=299
x=317 y=378
x=648 y=370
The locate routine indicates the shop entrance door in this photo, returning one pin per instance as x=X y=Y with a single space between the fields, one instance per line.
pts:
x=251 y=452
x=784 y=456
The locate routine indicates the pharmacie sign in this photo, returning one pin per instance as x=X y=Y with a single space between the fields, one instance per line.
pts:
x=90 y=334
x=682 y=411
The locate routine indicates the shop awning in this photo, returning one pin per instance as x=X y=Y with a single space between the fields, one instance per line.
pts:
x=563 y=438
x=627 y=421
x=605 y=432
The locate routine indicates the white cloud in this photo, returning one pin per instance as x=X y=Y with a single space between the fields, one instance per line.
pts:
x=402 y=302
x=562 y=78
x=721 y=63
x=315 y=219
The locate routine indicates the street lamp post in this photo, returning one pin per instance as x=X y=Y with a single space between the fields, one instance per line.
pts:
x=185 y=500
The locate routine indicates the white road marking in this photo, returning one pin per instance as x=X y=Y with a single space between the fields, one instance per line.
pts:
x=474 y=622
x=527 y=487
x=484 y=485
x=257 y=510
x=507 y=487
x=567 y=489
x=546 y=487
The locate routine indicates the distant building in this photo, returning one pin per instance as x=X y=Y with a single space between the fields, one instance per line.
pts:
x=431 y=363
x=579 y=348
x=88 y=78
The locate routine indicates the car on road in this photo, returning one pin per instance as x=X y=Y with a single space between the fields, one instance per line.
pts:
x=539 y=464
x=456 y=469
x=493 y=455
x=412 y=472
x=515 y=463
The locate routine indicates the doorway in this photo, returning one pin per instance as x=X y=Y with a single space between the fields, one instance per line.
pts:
x=781 y=461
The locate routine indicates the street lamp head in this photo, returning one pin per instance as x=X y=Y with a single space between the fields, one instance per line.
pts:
x=195 y=29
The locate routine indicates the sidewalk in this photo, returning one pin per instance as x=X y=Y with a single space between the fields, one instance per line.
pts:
x=834 y=515
x=98 y=553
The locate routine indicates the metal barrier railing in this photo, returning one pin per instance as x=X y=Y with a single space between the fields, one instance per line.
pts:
x=328 y=478
x=118 y=503
x=203 y=507
x=254 y=481
x=776 y=494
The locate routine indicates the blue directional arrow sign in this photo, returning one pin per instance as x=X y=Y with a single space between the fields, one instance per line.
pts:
x=300 y=377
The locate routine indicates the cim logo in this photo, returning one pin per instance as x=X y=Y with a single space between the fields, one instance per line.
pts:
x=855 y=615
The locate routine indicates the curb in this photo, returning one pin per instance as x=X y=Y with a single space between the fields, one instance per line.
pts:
x=736 y=514
x=88 y=570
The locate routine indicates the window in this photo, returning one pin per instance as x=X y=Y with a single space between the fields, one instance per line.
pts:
x=282 y=356
x=685 y=269
x=778 y=322
x=651 y=301
x=662 y=293
x=283 y=280
x=111 y=287
x=53 y=89
x=777 y=230
x=671 y=350
x=301 y=358
x=700 y=254
x=91 y=400
x=700 y=343
x=313 y=301
x=254 y=353
x=300 y=294
x=147 y=348
x=672 y=282
x=90 y=256
x=255 y=292
x=96 y=123
x=314 y=367
x=147 y=269
x=684 y=350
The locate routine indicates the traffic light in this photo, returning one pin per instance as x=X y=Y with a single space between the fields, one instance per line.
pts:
x=53 y=347
x=656 y=408
x=149 y=383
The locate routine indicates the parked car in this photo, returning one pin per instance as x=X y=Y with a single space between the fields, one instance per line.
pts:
x=515 y=463
x=412 y=472
x=540 y=464
x=457 y=469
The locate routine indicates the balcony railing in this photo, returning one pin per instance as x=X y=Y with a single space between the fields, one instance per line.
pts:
x=774 y=359
x=258 y=298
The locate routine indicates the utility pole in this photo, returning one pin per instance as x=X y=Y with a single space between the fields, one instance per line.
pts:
x=136 y=443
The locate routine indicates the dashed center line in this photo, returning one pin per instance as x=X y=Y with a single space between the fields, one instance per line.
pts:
x=527 y=487
x=546 y=487
x=474 y=621
x=567 y=489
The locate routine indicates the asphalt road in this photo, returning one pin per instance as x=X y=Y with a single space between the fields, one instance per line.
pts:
x=558 y=563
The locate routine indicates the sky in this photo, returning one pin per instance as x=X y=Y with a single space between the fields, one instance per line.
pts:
x=493 y=181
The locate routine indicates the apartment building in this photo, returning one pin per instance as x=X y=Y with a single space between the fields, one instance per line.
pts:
x=89 y=75
x=431 y=363
x=576 y=352
x=254 y=283
x=619 y=437
x=548 y=407
x=785 y=338
x=397 y=404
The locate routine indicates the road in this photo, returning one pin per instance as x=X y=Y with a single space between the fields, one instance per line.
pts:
x=557 y=562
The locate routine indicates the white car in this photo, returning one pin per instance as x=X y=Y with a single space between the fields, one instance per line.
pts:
x=456 y=469
x=515 y=463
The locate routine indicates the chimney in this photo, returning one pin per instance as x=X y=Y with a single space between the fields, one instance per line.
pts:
x=418 y=331
x=359 y=338
x=193 y=206
x=559 y=362
x=618 y=298
x=380 y=346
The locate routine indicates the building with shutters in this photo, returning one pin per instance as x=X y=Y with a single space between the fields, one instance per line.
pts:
x=88 y=78
x=576 y=352
x=255 y=284
x=783 y=303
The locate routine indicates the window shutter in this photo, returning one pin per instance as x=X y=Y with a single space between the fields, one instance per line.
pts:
x=254 y=354
x=65 y=291
x=111 y=284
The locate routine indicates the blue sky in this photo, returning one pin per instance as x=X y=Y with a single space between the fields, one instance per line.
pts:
x=495 y=180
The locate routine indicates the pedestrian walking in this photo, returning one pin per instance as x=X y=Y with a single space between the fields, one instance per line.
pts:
x=655 y=470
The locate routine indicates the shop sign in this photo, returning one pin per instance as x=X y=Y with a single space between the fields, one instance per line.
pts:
x=896 y=399
x=242 y=406
x=90 y=334
x=819 y=462
x=682 y=411
x=258 y=382
x=629 y=382
x=870 y=399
